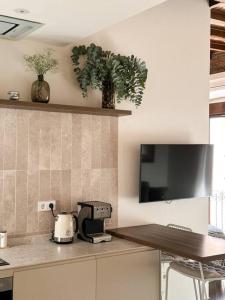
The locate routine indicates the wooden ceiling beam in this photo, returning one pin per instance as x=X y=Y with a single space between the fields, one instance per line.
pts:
x=217 y=15
x=218 y=31
x=217 y=46
x=217 y=109
x=217 y=42
x=215 y=2
x=216 y=69
x=217 y=62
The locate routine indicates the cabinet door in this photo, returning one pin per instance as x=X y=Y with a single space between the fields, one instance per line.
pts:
x=129 y=277
x=75 y=281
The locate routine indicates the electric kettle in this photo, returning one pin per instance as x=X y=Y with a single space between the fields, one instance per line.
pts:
x=64 y=227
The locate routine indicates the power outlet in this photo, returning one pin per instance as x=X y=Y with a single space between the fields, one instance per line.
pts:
x=44 y=205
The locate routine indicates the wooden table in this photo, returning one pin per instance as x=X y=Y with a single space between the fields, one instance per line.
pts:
x=202 y=248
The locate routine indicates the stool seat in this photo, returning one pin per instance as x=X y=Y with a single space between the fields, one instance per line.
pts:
x=167 y=257
x=192 y=269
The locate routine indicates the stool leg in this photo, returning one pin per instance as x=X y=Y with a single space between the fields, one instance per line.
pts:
x=205 y=297
x=203 y=289
x=200 y=290
x=167 y=282
x=196 y=293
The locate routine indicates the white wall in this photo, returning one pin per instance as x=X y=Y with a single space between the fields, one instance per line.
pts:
x=173 y=39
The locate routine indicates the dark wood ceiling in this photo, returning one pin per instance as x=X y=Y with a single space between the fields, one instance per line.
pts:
x=217 y=39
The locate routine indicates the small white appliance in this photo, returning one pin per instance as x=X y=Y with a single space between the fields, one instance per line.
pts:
x=64 y=228
x=3 y=239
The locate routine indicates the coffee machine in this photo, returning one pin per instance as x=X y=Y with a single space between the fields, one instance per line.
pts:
x=91 y=216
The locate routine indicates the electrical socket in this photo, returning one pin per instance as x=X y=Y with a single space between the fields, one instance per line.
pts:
x=44 y=205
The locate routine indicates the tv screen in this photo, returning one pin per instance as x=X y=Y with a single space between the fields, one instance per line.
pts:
x=169 y=172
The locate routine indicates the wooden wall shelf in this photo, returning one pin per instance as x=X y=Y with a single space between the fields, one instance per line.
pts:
x=63 y=108
x=217 y=109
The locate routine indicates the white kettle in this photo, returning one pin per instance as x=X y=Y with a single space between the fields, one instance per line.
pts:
x=64 y=228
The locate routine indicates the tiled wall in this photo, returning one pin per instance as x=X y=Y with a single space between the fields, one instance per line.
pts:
x=46 y=155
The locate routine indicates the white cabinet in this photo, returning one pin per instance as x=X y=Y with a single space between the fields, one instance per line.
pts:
x=74 y=281
x=129 y=277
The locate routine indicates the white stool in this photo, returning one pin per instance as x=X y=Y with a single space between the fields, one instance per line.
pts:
x=202 y=273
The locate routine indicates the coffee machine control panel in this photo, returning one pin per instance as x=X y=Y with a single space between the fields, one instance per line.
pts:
x=98 y=210
x=102 y=212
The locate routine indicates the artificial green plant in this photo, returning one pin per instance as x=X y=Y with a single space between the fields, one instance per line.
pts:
x=125 y=76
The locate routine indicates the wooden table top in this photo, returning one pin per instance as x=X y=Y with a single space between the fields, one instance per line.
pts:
x=191 y=245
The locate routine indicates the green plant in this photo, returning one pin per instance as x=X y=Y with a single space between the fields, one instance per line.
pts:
x=126 y=75
x=41 y=63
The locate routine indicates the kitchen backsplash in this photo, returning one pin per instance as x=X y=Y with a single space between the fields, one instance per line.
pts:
x=60 y=156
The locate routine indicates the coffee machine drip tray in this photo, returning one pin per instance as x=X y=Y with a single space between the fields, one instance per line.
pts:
x=100 y=237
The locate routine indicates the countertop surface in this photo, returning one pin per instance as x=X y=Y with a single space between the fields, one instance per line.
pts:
x=38 y=250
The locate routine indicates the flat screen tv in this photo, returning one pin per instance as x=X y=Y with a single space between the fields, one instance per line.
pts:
x=170 y=172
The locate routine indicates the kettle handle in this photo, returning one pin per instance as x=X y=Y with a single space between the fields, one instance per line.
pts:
x=76 y=221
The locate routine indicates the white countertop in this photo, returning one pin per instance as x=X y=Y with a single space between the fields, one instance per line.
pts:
x=38 y=250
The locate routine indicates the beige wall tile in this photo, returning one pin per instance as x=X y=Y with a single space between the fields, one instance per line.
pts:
x=2 y=227
x=21 y=201
x=44 y=218
x=66 y=121
x=86 y=142
x=56 y=192
x=76 y=188
x=45 y=221
x=2 y=114
x=45 y=190
x=56 y=184
x=56 y=141
x=65 y=201
x=76 y=141
x=45 y=141
x=105 y=185
x=86 y=184
x=113 y=197
x=34 y=138
x=33 y=198
x=113 y=159
x=65 y=157
x=9 y=194
x=22 y=123
x=95 y=184
x=105 y=142
x=10 y=140
x=96 y=142
x=109 y=194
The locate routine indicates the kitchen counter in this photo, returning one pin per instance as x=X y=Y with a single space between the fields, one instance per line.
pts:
x=34 y=251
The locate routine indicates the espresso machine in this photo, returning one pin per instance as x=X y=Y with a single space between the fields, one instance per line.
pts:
x=91 y=216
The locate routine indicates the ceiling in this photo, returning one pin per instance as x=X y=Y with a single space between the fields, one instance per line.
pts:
x=68 y=21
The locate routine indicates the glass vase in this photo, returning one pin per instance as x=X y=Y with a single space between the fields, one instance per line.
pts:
x=108 y=95
x=40 y=90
